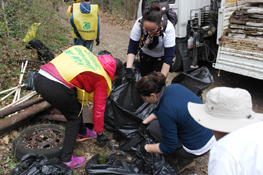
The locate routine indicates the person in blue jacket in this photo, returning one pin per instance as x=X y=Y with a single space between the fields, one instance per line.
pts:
x=85 y=22
x=177 y=134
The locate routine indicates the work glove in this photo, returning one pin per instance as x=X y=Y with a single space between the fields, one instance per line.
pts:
x=143 y=128
x=97 y=41
x=141 y=147
x=101 y=140
x=129 y=74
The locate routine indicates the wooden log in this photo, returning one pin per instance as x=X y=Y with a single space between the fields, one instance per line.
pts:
x=19 y=107
x=17 y=120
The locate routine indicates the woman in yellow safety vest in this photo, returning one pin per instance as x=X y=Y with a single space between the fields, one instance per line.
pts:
x=85 y=22
x=67 y=83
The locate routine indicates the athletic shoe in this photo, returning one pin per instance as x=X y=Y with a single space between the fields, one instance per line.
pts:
x=76 y=162
x=89 y=135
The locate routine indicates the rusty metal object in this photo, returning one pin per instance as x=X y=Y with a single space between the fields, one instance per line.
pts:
x=16 y=119
x=20 y=106
x=43 y=138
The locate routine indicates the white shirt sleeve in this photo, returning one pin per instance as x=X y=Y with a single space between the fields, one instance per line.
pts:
x=169 y=38
x=221 y=162
x=136 y=31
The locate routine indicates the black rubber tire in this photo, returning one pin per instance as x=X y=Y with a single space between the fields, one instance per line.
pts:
x=20 y=149
x=177 y=64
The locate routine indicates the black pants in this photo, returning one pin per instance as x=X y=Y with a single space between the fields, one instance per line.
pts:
x=155 y=132
x=149 y=64
x=65 y=100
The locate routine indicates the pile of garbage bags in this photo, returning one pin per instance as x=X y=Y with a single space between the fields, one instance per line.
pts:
x=130 y=158
x=33 y=163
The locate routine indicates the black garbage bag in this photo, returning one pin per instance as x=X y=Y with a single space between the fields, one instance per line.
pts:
x=43 y=52
x=196 y=81
x=33 y=163
x=125 y=109
x=103 y=52
x=31 y=75
x=129 y=159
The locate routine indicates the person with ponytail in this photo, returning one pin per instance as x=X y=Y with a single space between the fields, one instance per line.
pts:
x=176 y=133
x=156 y=45
x=68 y=82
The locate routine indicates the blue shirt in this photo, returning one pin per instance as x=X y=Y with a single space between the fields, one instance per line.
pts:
x=84 y=8
x=176 y=122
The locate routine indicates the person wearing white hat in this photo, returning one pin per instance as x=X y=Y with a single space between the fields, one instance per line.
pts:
x=228 y=113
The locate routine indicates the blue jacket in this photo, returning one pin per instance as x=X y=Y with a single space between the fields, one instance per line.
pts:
x=176 y=122
x=84 y=8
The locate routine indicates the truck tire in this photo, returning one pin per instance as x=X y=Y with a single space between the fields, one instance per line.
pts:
x=46 y=139
x=177 y=63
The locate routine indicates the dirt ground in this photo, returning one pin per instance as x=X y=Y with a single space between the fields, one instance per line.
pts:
x=115 y=34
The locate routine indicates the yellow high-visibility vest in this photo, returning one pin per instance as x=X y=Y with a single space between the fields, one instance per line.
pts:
x=76 y=60
x=72 y=30
x=86 y=24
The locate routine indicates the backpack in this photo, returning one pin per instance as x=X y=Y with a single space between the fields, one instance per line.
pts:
x=168 y=14
x=43 y=52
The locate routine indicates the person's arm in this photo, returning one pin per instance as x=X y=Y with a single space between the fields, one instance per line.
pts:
x=165 y=69
x=150 y=118
x=222 y=162
x=98 y=33
x=133 y=44
x=152 y=148
x=130 y=60
x=169 y=48
x=99 y=104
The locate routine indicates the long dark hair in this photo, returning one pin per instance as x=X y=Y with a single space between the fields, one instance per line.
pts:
x=153 y=13
x=119 y=69
x=151 y=83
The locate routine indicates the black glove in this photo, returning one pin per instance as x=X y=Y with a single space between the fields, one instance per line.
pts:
x=102 y=140
x=97 y=41
x=143 y=128
x=129 y=74
x=141 y=148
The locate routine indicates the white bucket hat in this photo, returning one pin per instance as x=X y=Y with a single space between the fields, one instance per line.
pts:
x=226 y=109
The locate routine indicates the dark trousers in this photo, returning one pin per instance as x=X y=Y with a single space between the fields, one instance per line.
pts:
x=155 y=132
x=149 y=64
x=65 y=100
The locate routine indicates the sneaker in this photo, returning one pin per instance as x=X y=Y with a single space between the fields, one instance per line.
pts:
x=182 y=164
x=76 y=162
x=89 y=135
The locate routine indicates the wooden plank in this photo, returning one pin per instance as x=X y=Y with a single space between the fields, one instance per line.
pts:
x=236 y=26
x=17 y=120
x=21 y=106
x=244 y=19
x=256 y=16
x=255 y=10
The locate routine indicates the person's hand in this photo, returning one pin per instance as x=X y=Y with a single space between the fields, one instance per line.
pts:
x=129 y=74
x=143 y=128
x=102 y=140
x=97 y=41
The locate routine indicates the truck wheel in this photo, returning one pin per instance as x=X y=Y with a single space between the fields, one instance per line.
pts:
x=177 y=64
x=46 y=139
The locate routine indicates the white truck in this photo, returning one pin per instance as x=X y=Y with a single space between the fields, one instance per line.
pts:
x=226 y=33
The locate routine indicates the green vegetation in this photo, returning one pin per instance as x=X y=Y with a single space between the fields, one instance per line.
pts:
x=18 y=16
